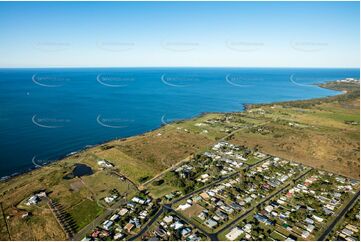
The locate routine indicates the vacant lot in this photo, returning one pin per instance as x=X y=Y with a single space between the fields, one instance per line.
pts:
x=194 y=210
x=320 y=134
x=78 y=196
x=85 y=212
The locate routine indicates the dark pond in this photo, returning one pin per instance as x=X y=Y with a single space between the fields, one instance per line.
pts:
x=79 y=171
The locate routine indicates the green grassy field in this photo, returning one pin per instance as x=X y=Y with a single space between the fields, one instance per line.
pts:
x=85 y=212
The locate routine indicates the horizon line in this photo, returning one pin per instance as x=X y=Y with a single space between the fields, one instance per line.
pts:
x=88 y=67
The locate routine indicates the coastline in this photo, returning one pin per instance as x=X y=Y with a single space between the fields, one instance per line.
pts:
x=246 y=107
x=321 y=85
x=315 y=136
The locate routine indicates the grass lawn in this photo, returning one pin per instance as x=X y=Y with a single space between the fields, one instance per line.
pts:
x=101 y=183
x=277 y=236
x=129 y=166
x=251 y=160
x=85 y=212
x=166 y=187
x=162 y=190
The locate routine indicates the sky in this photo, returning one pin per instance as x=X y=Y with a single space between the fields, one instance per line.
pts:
x=180 y=34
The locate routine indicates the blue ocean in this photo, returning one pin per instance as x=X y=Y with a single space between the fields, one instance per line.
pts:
x=46 y=114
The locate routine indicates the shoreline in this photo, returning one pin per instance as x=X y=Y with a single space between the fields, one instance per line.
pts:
x=245 y=106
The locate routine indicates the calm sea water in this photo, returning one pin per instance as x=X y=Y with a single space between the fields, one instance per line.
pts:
x=48 y=113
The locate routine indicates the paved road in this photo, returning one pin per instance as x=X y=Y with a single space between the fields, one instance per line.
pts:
x=204 y=187
x=214 y=236
x=286 y=186
x=215 y=182
x=149 y=224
x=251 y=209
x=211 y=236
x=260 y=161
x=237 y=130
x=188 y=158
x=83 y=232
x=191 y=156
x=98 y=220
x=339 y=217
x=167 y=207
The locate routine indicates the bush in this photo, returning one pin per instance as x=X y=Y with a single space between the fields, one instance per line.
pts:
x=143 y=179
x=158 y=182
